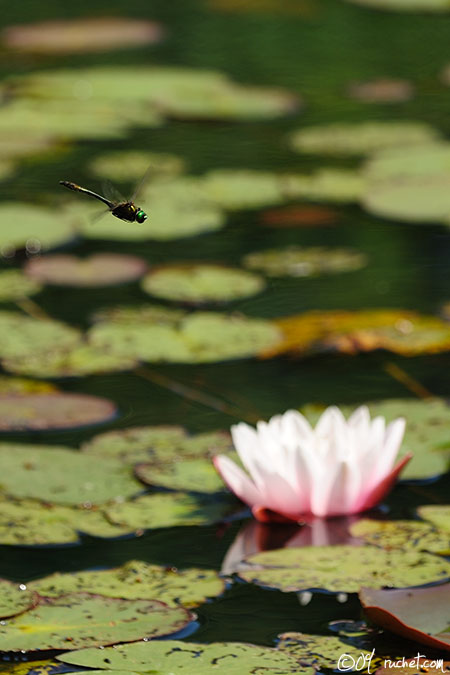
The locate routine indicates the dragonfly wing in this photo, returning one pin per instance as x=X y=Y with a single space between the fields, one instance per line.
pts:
x=112 y=193
x=141 y=183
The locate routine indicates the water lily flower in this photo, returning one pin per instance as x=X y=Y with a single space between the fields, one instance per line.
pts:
x=296 y=471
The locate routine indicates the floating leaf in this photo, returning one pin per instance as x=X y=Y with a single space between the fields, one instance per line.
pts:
x=132 y=165
x=148 y=313
x=328 y=185
x=402 y=534
x=81 y=35
x=15 y=286
x=14 y=598
x=69 y=362
x=34 y=223
x=80 y=620
x=323 y=651
x=58 y=410
x=166 y=510
x=419 y=614
x=406 y=5
x=299 y=216
x=439 y=516
x=170 y=657
x=23 y=144
x=202 y=283
x=137 y=580
x=243 y=189
x=342 y=568
x=20 y=335
x=296 y=261
x=383 y=90
x=36 y=668
x=62 y=476
x=424 y=160
x=195 y=475
x=361 y=138
x=196 y=338
x=100 y=269
x=18 y=385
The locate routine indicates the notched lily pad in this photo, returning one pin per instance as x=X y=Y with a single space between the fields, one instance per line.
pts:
x=402 y=534
x=297 y=261
x=170 y=657
x=100 y=269
x=59 y=410
x=192 y=475
x=15 y=598
x=14 y=286
x=342 y=568
x=125 y=166
x=419 y=614
x=201 y=283
x=136 y=580
x=81 y=620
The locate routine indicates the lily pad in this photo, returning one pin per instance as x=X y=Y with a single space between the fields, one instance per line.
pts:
x=323 y=651
x=15 y=598
x=41 y=412
x=425 y=160
x=361 y=138
x=100 y=269
x=19 y=385
x=383 y=90
x=166 y=510
x=299 y=216
x=243 y=189
x=402 y=534
x=72 y=362
x=342 y=568
x=137 y=580
x=20 y=335
x=199 y=337
x=157 y=314
x=406 y=5
x=80 y=620
x=296 y=261
x=337 y=185
x=195 y=475
x=132 y=165
x=81 y=35
x=62 y=476
x=439 y=516
x=15 y=286
x=170 y=657
x=31 y=222
x=202 y=283
x=419 y=614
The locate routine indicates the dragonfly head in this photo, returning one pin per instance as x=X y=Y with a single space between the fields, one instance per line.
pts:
x=141 y=216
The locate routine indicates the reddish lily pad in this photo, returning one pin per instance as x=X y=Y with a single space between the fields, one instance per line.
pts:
x=383 y=90
x=402 y=534
x=419 y=614
x=342 y=568
x=58 y=410
x=15 y=598
x=100 y=269
x=299 y=216
x=81 y=35
x=81 y=620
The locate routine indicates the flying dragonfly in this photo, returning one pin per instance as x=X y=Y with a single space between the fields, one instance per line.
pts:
x=121 y=208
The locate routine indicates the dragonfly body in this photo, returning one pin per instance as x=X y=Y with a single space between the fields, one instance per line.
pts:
x=124 y=210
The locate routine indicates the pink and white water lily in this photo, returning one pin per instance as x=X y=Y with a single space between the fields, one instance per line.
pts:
x=295 y=471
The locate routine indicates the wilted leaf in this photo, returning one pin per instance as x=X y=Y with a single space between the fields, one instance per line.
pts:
x=15 y=286
x=402 y=534
x=201 y=283
x=132 y=165
x=40 y=412
x=80 y=620
x=100 y=269
x=420 y=614
x=296 y=261
x=14 y=598
x=342 y=568
x=170 y=657
x=192 y=475
x=137 y=580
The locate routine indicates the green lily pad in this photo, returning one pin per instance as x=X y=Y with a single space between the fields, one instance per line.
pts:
x=72 y=362
x=48 y=667
x=296 y=261
x=14 y=598
x=202 y=283
x=419 y=614
x=166 y=510
x=157 y=444
x=20 y=335
x=196 y=475
x=402 y=534
x=360 y=139
x=425 y=160
x=19 y=385
x=81 y=620
x=406 y=5
x=243 y=189
x=23 y=144
x=383 y=90
x=41 y=412
x=326 y=185
x=31 y=222
x=323 y=651
x=132 y=165
x=100 y=269
x=170 y=657
x=80 y=35
x=137 y=580
x=197 y=338
x=15 y=286
x=62 y=476
x=148 y=313
x=342 y=568
x=439 y=516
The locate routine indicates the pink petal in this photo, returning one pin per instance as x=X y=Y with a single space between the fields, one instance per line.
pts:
x=237 y=480
x=374 y=497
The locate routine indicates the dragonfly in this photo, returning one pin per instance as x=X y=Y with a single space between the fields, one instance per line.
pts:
x=123 y=209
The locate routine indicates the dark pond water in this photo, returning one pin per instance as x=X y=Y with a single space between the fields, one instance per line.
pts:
x=315 y=53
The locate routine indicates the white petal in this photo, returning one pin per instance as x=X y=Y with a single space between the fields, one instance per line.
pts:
x=392 y=441
x=237 y=480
